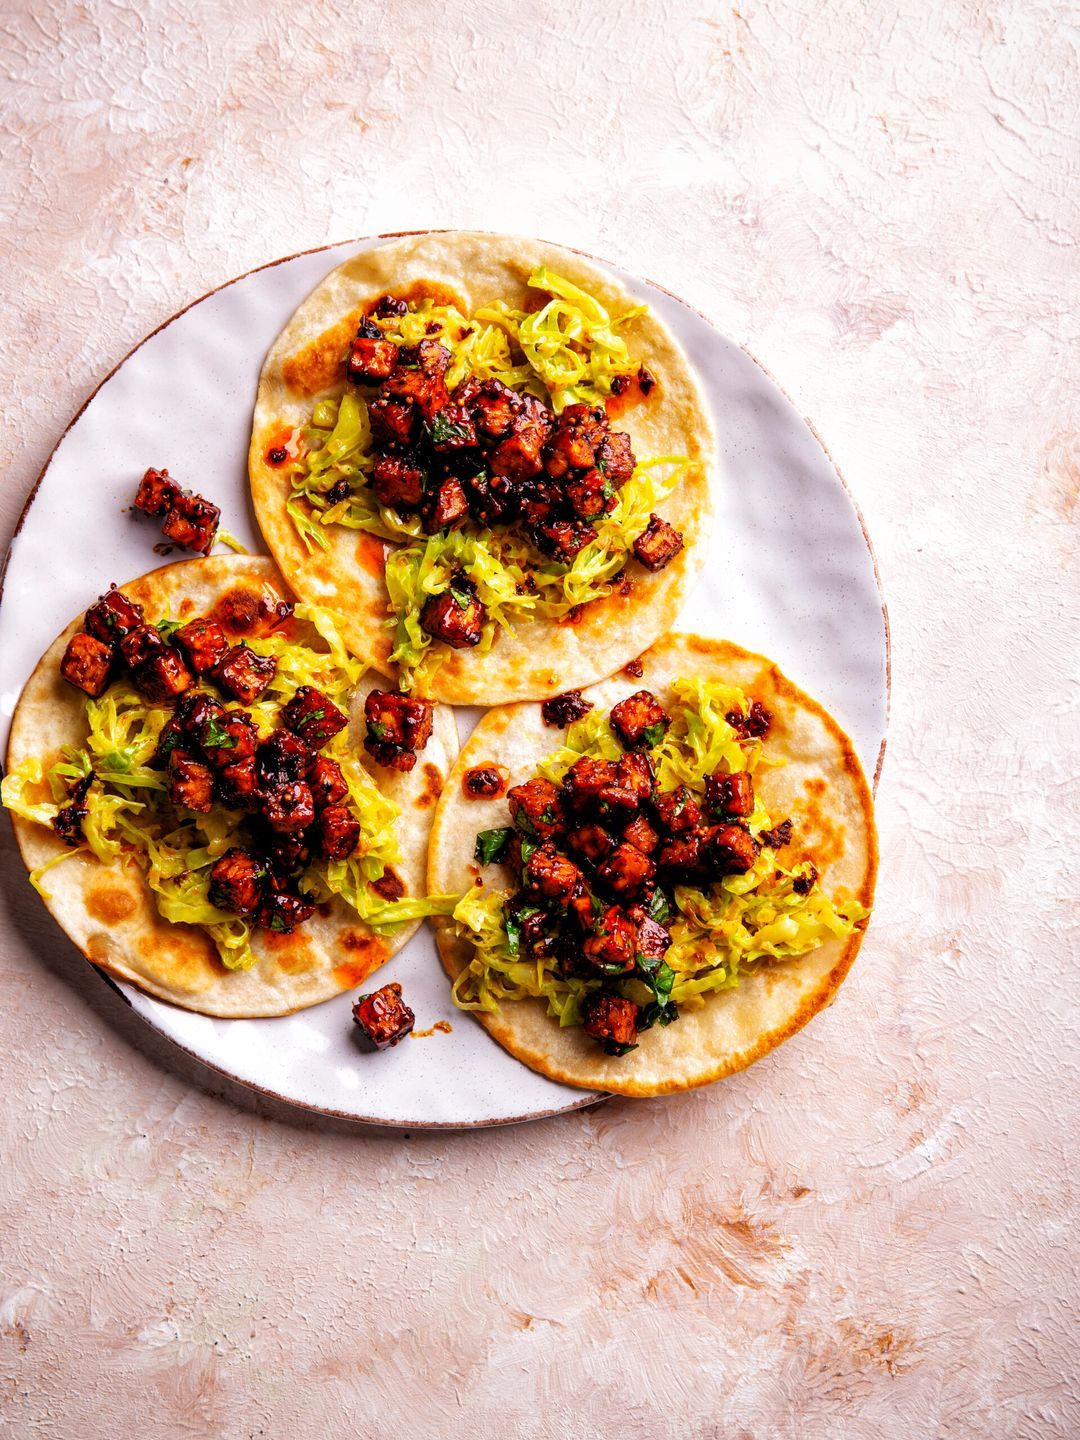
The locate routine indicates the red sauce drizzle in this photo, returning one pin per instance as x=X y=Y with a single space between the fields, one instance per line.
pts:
x=277 y=452
x=630 y=390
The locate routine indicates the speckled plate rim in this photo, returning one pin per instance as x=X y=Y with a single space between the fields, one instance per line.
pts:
x=591 y=1098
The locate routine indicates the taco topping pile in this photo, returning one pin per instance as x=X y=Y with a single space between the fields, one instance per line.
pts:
x=647 y=872
x=224 y=771
x=488 y=436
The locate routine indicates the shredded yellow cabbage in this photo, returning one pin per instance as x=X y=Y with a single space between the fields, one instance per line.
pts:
x=571 y=342
x=129 y=813
x=737 y=922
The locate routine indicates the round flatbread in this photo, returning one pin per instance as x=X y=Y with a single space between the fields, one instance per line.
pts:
x=821 y=787
x=109 y=911
x=306 y=364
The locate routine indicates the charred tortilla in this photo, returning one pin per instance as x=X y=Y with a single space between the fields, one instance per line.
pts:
x=109 y=911
x=665 y=417
x=820 y=787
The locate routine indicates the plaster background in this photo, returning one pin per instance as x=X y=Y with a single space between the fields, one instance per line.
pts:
x=872 y=1226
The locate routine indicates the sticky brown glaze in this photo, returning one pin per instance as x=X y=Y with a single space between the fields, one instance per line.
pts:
x=253 y=613
x=562 y=710
x=483 y=782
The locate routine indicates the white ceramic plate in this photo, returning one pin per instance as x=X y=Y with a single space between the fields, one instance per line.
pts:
x=791 y=574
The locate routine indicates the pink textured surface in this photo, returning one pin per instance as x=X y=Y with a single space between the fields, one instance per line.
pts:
x=871 y=1226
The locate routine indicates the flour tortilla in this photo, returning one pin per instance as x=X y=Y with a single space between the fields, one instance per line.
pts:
x=109 y=911
x=822 y=788
x=306 y=364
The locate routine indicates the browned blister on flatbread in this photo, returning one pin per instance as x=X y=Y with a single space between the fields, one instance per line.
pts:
x=109 y=912
x=821 y=786
x=306 y=364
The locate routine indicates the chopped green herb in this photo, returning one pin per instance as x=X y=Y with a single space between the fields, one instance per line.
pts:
x=167 y=628
x=217 y=736
x=657 y=974
x=663 y=980
x=659 y=909
x=513 y=934
x=612 y=970
x=491 y=844
x=168 y=742
x=657 y=1014
x=443 y=430
x=513 y=927
x=654 y=733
